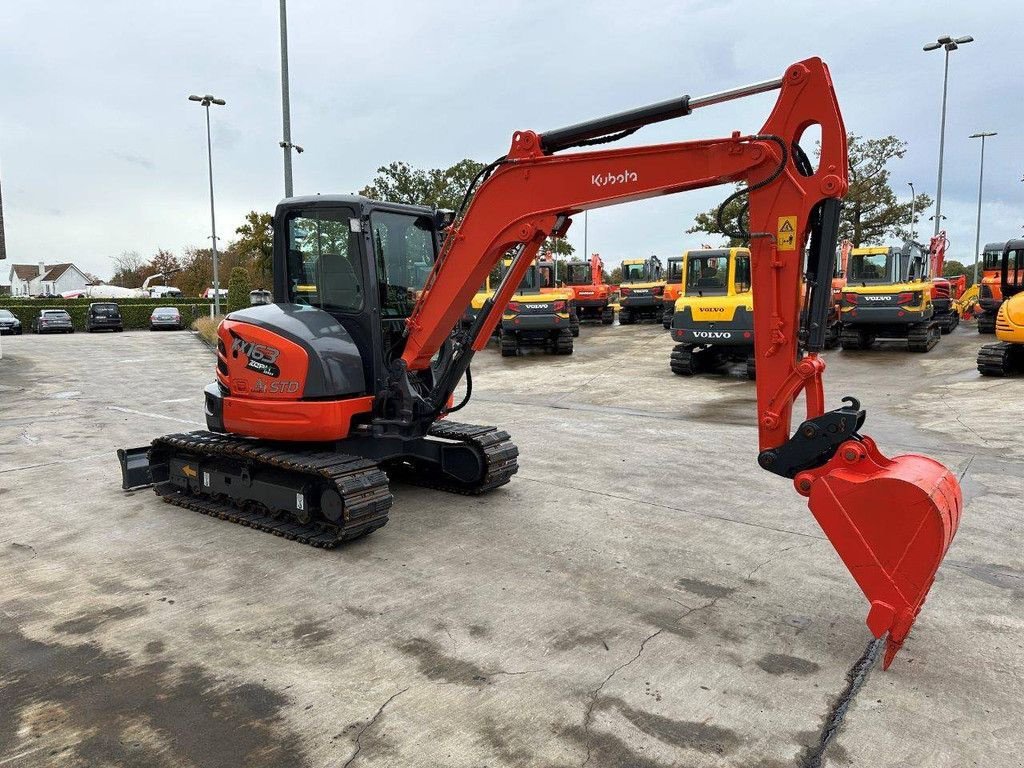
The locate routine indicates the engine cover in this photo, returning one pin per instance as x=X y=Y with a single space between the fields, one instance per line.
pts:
x=287 y=352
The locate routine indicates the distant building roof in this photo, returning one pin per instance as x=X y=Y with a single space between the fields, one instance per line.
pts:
x=54 y=271
x=25 y=271
x=31 y=271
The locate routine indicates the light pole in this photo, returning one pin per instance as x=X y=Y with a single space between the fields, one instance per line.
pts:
x=981 y=177
x=913 y=204
x=206 y=101
x=949 y=44
x=286 y=112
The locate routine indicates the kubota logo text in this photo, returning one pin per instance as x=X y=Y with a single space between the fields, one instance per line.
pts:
x=608 y=179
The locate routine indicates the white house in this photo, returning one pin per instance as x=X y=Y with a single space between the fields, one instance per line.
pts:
x=46 y=279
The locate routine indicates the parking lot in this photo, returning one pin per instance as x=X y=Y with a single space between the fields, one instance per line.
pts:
x=641 y=593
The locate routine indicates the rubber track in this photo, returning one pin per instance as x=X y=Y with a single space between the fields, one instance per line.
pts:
x=923 y=337
x=499 y=451
x=361 y=484
x=1000 y=359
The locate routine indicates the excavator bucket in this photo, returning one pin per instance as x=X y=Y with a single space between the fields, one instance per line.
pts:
x=891 y=521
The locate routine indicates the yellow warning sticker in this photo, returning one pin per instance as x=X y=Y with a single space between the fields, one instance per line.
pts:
x=786 y=240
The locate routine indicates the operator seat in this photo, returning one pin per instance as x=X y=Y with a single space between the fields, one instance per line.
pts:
x=340 y=286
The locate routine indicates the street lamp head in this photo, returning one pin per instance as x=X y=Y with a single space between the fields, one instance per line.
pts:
x=932 y=46
x=298 y=149
x=965 y=39
x=945 y=39
x=219 y=102
x=195 y=98
x=982 y=135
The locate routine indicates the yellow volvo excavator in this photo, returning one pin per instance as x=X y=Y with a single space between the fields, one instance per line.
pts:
x=714 y=317
x=888 y=296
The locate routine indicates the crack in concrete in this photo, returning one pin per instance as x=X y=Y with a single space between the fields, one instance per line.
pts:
x=365 y=728
x=960 y=421
x=773 y=558
x=597 y=691
x=855 y=678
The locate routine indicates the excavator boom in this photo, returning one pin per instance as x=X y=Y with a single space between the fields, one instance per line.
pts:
x=891 y=520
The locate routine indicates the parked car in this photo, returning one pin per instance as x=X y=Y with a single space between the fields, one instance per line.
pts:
x=52 y=321
x=9 y=323
x=166 y=318
x=105 y=316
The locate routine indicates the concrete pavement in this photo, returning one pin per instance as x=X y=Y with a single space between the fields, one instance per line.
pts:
x=641 y=594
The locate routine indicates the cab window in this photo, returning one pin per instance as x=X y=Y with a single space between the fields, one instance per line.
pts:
x=404 y=246
x=706 y=275
x=742 y=273
x=323 y=263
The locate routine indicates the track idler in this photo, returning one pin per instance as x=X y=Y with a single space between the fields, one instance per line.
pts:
x=891 y=521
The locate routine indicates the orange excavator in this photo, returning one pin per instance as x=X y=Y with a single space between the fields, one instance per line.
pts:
x=350 y=376
x=591 y=294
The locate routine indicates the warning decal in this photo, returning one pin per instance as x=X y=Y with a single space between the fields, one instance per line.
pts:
x=786 y=240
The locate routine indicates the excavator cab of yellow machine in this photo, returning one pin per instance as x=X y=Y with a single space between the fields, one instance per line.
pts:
x=353 y=372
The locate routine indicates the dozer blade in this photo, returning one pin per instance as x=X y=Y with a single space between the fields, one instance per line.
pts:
x=891 y=521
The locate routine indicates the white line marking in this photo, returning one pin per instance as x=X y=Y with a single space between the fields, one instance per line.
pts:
x=178 y=400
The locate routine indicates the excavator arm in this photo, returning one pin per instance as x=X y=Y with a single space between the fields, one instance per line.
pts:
x=890 y=520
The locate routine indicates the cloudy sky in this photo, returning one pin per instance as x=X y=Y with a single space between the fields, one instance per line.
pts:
x=100 y=151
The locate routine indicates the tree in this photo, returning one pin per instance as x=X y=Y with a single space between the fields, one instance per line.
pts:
x=238 y=289
x=128 y=269
x=871 y=211
x=162 y=263
x=256 y=244
x=615 y=277
x=196 y=271
x=400 y=182
x=956 y=268
x=708 y=221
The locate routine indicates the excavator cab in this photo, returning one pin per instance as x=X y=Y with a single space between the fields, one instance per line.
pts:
x=641 y=290
x=1006 y=356
x=673 y=288
x=990 y=293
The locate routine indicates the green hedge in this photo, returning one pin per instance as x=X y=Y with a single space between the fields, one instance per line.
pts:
x=134 y=312
x=59 y=303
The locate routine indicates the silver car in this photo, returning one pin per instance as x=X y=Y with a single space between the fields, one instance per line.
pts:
x=52 y=321
x=165 y=318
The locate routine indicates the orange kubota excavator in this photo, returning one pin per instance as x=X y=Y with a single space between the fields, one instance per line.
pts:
x=348 y=377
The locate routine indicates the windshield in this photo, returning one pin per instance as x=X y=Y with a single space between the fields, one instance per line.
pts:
x=577 y=274
x=529 y=283
x=6 y=314
x=707 y=274
x=56 y=314
x=675 y=270
x=869 y=267
x=323 y=264
x=105 y=310
x=160 y=311
x=634 y=273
